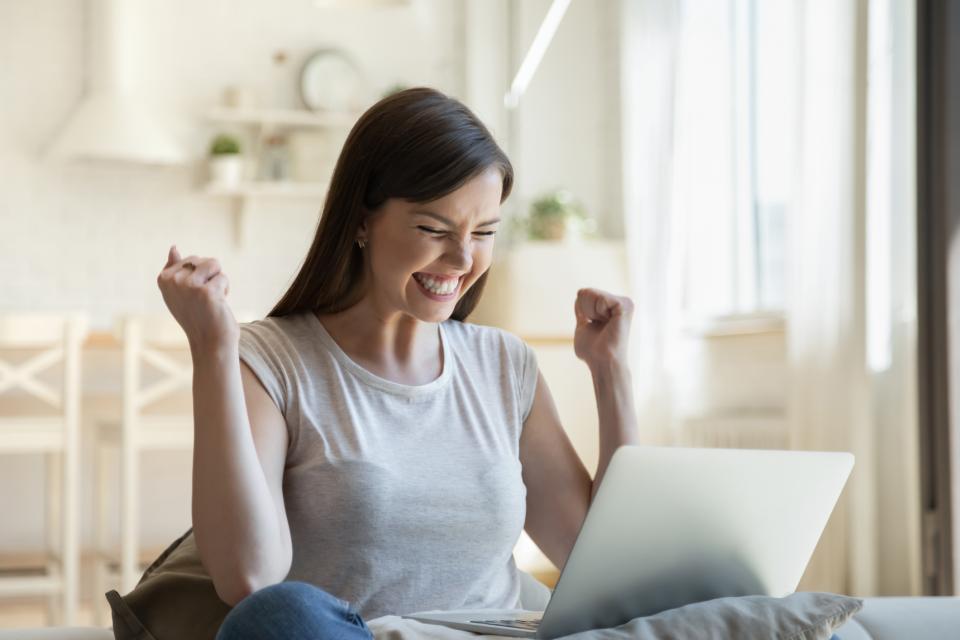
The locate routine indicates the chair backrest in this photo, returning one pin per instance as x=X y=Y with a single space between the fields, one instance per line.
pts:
x=156 y=363
x=157 y=367
x=42 y=340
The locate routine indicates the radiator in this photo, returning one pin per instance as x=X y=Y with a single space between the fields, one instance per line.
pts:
x=733 y=432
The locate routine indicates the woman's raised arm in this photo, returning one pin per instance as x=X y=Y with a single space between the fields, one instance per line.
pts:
x=240 y=439
x=559 y=488
x=601 y=341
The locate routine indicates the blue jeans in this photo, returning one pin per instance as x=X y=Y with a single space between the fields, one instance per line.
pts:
x=293 y=611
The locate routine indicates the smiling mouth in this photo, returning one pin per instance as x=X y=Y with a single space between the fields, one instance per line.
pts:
x=439 y=287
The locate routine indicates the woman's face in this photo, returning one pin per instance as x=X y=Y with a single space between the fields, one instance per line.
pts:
x=422 y=257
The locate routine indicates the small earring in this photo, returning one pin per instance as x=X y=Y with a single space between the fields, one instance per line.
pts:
x=361 y=243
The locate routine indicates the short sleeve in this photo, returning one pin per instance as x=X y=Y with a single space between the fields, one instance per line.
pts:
x=261 y=350
x=528 y=379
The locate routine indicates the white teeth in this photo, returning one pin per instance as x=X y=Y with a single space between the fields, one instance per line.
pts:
x=441 y=288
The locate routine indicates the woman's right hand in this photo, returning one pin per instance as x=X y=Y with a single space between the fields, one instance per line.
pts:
x=195 y=290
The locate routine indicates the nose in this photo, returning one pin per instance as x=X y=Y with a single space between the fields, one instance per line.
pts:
x=460 y=254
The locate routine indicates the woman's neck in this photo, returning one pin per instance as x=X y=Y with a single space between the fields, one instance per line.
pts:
x=397 y=347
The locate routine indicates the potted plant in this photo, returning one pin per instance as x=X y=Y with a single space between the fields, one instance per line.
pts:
x=226 y=163
x=556 y=216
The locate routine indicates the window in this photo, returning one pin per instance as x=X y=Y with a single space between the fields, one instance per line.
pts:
x=735 y=150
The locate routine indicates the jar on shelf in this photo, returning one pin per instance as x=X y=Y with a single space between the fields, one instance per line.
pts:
x=275 y=159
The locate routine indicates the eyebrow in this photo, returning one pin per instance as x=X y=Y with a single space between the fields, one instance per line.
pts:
x=447 y=221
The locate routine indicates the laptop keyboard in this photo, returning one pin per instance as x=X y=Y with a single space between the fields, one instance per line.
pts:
x=526 y=625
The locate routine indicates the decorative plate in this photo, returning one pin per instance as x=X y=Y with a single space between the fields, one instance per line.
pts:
x=330 y=81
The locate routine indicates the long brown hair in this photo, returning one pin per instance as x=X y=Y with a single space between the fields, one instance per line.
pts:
x=418 y=145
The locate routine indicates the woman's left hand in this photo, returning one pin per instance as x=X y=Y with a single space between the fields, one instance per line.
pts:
x=603 y=327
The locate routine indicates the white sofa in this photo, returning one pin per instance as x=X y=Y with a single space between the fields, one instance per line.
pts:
x=904 y=618
x=881 y=619
x=899 y=618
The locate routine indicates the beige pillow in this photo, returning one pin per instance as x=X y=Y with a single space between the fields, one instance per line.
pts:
x=798 y=616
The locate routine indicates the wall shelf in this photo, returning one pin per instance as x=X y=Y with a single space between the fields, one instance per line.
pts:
x=262 y=123
x=278 y=189
x=281 y=117
x=246 y=195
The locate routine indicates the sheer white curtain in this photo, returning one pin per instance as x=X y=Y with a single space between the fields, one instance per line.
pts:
x=681 y=190
x=828 y=403
x=852 y=311
x=892 y=291
x=649 y=40
x=850 y=256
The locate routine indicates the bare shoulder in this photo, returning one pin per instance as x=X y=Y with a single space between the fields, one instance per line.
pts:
x=265 y=417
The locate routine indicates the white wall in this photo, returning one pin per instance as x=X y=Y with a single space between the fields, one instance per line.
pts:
x=566 y=129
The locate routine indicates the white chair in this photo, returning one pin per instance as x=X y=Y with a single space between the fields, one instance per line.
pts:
x=37 y=417
x=157 y=341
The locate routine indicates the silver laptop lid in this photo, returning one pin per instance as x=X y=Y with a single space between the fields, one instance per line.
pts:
x=670 y=526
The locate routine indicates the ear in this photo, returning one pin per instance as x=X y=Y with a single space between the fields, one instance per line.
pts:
x=363 y=229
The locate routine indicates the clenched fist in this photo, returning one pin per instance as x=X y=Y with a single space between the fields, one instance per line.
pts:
x=195 y=290
x=603 y=327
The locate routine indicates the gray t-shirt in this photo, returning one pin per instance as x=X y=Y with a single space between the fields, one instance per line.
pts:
x=400 y=498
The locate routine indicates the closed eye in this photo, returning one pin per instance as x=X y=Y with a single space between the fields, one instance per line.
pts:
x=439 y=232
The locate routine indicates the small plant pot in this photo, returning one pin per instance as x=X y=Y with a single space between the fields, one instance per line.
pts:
x=555 y=229
x=226 y=170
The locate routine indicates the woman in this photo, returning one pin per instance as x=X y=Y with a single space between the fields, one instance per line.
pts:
x=363 y=450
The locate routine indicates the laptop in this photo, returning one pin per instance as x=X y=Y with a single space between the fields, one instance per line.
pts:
x=672 y=526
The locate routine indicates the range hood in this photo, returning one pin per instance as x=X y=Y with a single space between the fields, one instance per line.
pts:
x=112 y=122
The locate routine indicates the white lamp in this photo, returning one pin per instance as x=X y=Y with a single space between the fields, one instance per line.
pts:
x=535 y=54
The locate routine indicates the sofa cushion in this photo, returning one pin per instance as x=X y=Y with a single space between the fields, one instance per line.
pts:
x=534 y=596
x=174 y=600
x=798 y=616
